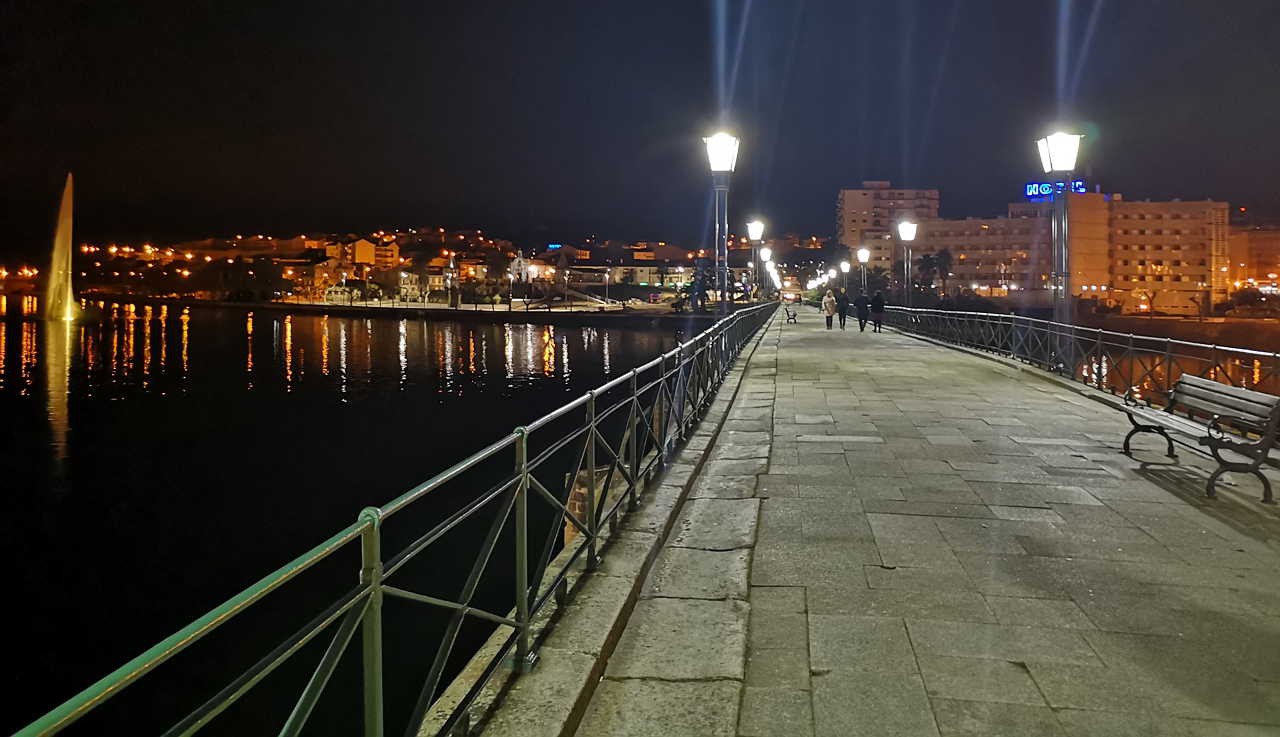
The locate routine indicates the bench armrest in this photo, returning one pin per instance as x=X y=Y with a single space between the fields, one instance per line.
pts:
x=1217 y=432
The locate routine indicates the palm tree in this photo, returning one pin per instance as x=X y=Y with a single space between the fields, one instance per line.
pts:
x=942 y=260
x=927 y=267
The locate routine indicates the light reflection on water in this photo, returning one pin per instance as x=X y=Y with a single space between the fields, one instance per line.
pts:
x=131 y=349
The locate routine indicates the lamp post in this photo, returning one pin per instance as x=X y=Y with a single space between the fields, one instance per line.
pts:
x=766 y=257
x=906 y=234
x=844 y=269
x=1058 y=154
x=606 y=285
x=864 y=255
x=755 y=232
x=722 y=155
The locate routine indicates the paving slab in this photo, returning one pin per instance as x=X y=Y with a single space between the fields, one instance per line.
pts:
x=716 y=524
x=682 y=639
x=690 y=573
x=648 y=708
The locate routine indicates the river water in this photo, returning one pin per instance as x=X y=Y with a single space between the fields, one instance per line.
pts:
x=157 y=459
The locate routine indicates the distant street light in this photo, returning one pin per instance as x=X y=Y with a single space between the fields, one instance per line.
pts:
x=722 y=155
x=864 y=255
x=1058 y=153
x=844 y=269
x=755 y=232
x=906 y=234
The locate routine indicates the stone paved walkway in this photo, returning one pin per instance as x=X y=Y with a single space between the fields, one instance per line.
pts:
x=897 y=538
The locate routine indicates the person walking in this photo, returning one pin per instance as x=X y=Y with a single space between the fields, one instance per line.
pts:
x=877 y=311
x=829 y=307
x=842 y=305
x=863 y=306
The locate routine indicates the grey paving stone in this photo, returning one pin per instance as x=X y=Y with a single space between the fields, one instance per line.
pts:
x=647 y=708
x=892 y=705
x=767 y=712
x=778 y=599
x=962 y=606
x=1000 y=642
x=682 y=639
x=778 y=667
x=746 y=467
x=917 y=579
x=539 y=705
x=723 y=487
x=691 y=573
x=771 y=630
x=918 y=555
x=840 y=642
x=904 y=528
x=716 y=524
x=978 y=679
x=926 y=509
x=1052 y=613
x=984 y=719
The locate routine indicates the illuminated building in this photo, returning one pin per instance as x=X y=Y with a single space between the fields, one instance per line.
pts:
x=866 y=217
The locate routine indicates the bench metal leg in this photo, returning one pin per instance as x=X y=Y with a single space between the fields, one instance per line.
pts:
x=1151 y=429
x=1267 y=497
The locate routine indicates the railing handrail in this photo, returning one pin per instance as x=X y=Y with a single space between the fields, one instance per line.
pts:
x=1073 y=326
x=369 y=519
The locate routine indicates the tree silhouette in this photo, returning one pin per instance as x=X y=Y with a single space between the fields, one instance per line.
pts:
x=942 y=261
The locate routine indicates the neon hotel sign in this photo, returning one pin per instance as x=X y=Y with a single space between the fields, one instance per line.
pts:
x=1046 y=190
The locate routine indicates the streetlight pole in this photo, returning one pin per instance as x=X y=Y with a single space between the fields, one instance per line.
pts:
x=906 y=234
x=1058 y=154
x=844 y=269
x=755 y=232
x=864 y=255
x=722 y=155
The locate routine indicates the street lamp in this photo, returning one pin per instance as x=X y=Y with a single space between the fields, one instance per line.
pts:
x=755 y=232
x=906 y=234
x=722 y=155
x=864 y=255
x=1058 y=153
x=844 y=269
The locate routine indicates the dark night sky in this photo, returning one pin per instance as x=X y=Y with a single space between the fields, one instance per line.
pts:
x=551 y=120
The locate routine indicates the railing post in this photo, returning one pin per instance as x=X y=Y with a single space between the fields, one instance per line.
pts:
x=636 y=423
x=1168 y=365
x=1097 y=360
x=593 y=529
x=371 y=628
x=660 y=406
x=1128 y=361
x=524 y=658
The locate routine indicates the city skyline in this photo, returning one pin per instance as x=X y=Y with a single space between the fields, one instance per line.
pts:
x=432 y=129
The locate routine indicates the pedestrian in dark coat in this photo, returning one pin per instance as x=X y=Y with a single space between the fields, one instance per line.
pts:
x=842 y=306
x=863 y=305
x=877 y=311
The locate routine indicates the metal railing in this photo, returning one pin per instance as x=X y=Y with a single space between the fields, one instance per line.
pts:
x=1107 y=360
x=616 y=436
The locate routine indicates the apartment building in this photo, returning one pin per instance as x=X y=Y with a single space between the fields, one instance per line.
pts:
x=867 y=217
x=1170 y=257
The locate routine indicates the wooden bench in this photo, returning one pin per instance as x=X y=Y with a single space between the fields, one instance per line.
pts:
x=1222 y=417
x=791 y=313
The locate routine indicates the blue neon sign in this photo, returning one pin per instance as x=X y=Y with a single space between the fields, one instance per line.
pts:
x=554 y=246
x=1046 y=190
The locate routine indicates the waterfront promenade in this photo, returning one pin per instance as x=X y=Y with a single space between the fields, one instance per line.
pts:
x=892 y=537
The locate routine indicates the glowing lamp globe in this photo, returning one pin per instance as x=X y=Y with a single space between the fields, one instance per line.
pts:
x=722 y=152
x=1058 y=152
x=844 y=266
x=907 y=230
x=864 y=255
x=766 y=255
x=755 y=230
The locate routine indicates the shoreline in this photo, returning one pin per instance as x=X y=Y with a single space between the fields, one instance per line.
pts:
x=617 y=318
